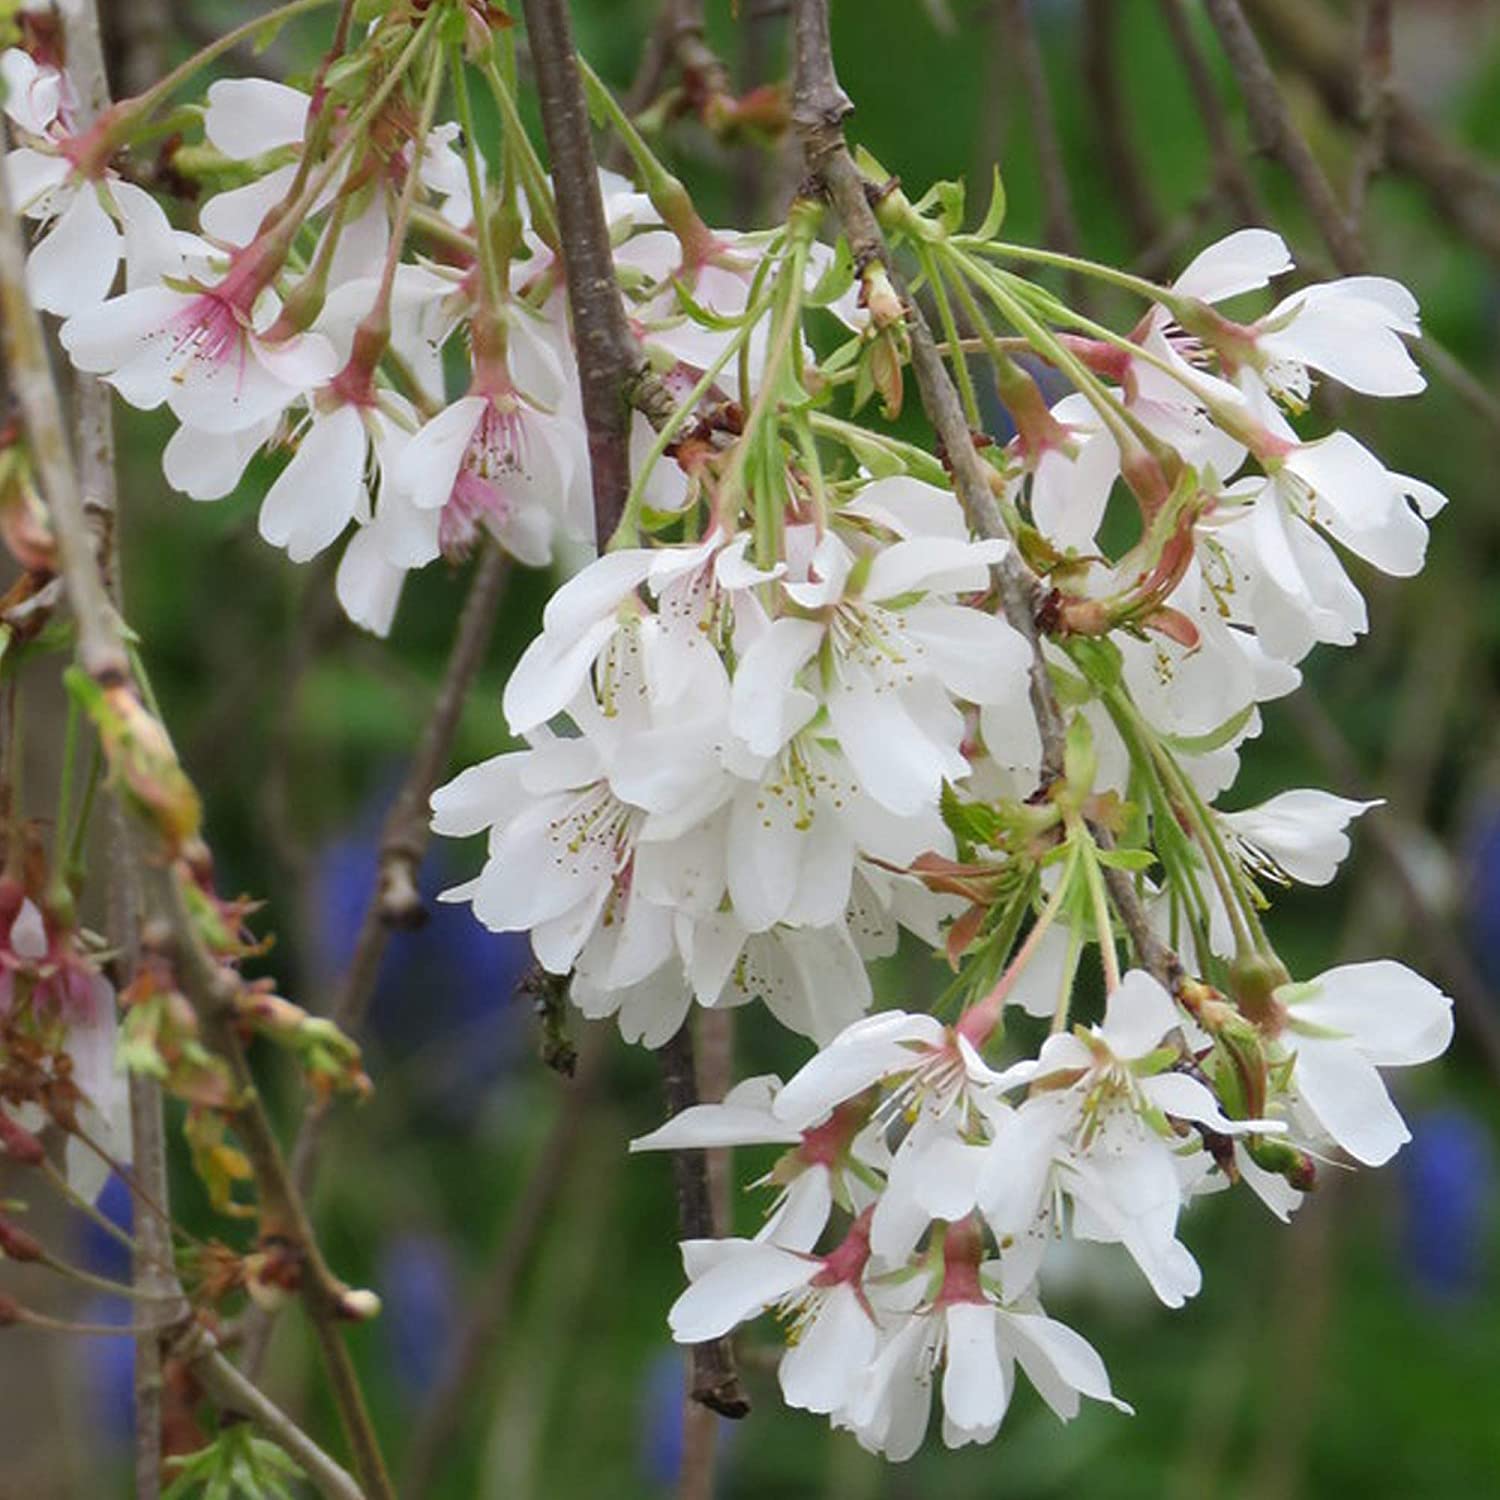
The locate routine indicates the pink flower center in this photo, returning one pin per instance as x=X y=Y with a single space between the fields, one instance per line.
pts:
x=496 y=456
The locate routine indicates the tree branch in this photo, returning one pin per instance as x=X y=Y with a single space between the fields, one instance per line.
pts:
x=609 y=359
x=1277 y=135
x=1461 y=188
x=611 y=367
x=232 y=1393
x=714 y=1382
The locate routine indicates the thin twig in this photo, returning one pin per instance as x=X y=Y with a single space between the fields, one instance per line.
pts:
x=232 y=1393
x=1277 y=135
x=1229 y=167
x=611 y=370
x=210 y=988
x=1059 y=223
x=609 y=359
x=1113 y=135
x=1374 y=104
x=1461 y=188
x=488 y=1312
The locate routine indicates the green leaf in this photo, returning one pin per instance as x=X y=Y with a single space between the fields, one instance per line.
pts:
x=1127 y=859
x=994 y=215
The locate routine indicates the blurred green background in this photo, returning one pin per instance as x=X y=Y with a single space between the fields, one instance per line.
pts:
x=1357 y=1352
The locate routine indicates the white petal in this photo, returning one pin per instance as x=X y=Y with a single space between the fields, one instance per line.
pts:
x=247 y=117
x=818 y=1371
x=429 y=463
x=1137 y=1016
x=738 y=1287
x=73 y=267
x=1349 y=1099
x=1240 y=262
x=316 y=496
x=974 y=1386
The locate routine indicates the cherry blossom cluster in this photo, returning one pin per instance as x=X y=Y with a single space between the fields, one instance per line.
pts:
x=803 y=700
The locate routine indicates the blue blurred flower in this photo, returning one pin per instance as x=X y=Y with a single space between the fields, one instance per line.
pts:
x=1448 y=1182
x=661 y=1422
x=446 y=991
x=419 y=1291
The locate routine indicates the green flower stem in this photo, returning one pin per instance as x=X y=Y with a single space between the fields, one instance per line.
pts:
x=1111 y=274
x=933 y=273
x=489 y=269
x=534 y=180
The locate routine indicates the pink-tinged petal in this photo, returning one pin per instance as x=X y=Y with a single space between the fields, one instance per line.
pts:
x=975 y=1390
x=367 y=584
x=738 y=1287
x=1137 y=1016
x=247 y=117
x=73 y=267
x=1240 y=262
x=818 y=1372
x=429 y=463
x=126 y=339
x=33 y=93
x=28 y=933
x=318 y=493
x=1347 y=1095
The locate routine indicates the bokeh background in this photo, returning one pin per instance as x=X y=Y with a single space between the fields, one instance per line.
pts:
x=1356 y=1353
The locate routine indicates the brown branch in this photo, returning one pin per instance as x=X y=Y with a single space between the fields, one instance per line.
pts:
x=1277 y=135
x=613 y=374
x=1229 y=167
x=609 y=359
x=210 y=988
x=488 y=1316
x=1462 y=188
x=152 y=1271
x=713 y=1381
x=1111 y=117
x=1375 y=49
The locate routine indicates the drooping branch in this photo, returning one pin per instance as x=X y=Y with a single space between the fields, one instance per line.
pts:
x=819 y=108
x=608 y=356
x=1277 y=135
x=613 y=374
x=210 y=989
x=1229 y=167
x=1461 y=188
